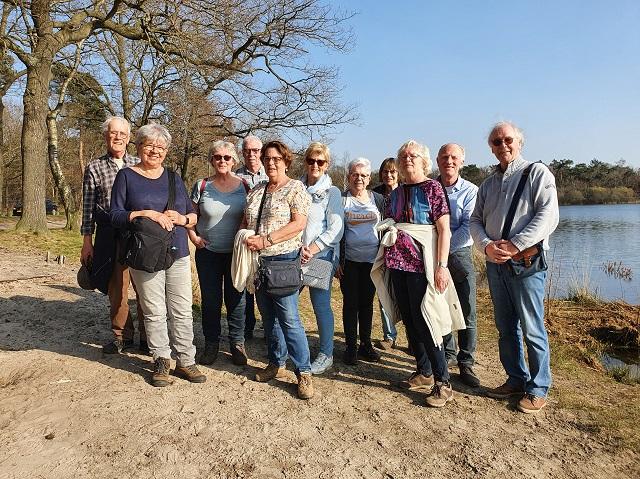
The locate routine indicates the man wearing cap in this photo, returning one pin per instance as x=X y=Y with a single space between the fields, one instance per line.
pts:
x=100 y=254
x=253 y=173
x=462 y=199
x=515 y=273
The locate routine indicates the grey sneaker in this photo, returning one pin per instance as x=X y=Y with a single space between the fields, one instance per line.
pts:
x=321 y=364
x=440 y=395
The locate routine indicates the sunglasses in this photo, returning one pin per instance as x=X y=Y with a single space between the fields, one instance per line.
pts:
x=311 y=161
x=223 y=157
x=498 y=141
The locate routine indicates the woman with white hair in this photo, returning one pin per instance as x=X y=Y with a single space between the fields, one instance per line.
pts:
x=143 y=191
x=362 y=212
x=219 y=201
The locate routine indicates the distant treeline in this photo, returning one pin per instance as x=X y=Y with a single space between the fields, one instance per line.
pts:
x=594 y=183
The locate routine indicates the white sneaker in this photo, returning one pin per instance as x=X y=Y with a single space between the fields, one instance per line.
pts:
x=321 y=363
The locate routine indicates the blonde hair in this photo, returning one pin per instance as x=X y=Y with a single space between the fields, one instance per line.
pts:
x=423 y=151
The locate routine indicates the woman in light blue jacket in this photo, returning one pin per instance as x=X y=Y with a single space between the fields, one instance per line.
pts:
x=321 y=239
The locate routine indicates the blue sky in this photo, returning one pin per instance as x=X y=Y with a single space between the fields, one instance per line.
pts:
x=567 y=72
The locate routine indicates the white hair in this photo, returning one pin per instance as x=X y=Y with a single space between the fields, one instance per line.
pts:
x=107 y=122
x=501 y=124
x=363 y=162
x=152 y=131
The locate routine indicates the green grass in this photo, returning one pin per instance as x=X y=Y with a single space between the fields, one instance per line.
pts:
x=59 y=241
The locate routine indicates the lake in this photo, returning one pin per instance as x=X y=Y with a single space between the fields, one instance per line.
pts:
x=586 y=239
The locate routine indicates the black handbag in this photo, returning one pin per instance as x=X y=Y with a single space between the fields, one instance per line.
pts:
x=277 y=277
x=149 y=245
x=522 y=268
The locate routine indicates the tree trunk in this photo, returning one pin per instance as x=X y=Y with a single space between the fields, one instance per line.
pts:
x=64 y=190
x=3 y=199
x=34 y=146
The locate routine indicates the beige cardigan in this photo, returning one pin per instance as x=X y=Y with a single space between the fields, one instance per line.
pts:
x=441 y=311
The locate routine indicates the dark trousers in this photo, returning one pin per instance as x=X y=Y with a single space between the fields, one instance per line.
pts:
x=214 y=274
x=409 y=289
x=249 y=315
x=357 y=302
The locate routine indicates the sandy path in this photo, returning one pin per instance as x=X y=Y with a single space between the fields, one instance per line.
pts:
x=67 y=411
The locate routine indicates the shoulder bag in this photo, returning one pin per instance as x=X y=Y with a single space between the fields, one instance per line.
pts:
x=533 y=259
x=277 y=277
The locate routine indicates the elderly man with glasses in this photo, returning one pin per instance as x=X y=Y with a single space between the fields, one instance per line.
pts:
x=516 y=211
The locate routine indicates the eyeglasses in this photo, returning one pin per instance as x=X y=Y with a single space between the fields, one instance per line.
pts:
x=222 y=157
x=251 y=150
x=118 y=134
x=148 y=148
x=275 y=159
x=389 y=172
x=311 y=161
x=359 y=175
x=411 y=156
x=498 y=141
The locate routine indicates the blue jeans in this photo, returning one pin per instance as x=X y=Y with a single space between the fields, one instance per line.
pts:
x=289 y=339
x=321 y=302
x=518 y=305
x=388 y=328
x=409 y=289
x=466 y=289
x=214 y=273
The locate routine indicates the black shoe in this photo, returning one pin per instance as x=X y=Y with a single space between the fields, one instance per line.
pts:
x=238 y=355
x=367 y=353
x=114 y=347
x=144 y=348
x=452 y=362
x=351 y=356
x=248 y=335
x=468 y=377
x=210 y=353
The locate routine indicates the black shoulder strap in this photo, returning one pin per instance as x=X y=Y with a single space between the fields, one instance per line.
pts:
x=514 y=202
x=172 y=189
x=264 y=196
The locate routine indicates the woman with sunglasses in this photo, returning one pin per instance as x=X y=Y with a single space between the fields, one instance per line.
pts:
x=362 y=212
x=219 y=201
x=278 y=226
x=321 y=239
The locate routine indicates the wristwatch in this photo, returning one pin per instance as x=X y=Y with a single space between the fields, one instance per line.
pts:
x=442 y=264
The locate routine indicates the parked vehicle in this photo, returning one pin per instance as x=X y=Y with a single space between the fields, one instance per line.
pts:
x=50 y=206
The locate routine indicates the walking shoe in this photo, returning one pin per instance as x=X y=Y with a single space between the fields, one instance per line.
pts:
x=417 y=382
x=367 y=353
x=238 y=355
x=504 y=392
x=351 y=356
x=440 y=395
x=272 y=371
x=452 y=362
x=531 y=404
x=468 y=376
x=191 y=373
x=114 y=347
x=160 y=376
x=248 y=335
x=321 y=363
x=305 y=386
x=385 y=344
x=210 y=353
x=144 y=348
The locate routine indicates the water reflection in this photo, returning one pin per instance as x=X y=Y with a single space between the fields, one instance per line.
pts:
x=588 y=237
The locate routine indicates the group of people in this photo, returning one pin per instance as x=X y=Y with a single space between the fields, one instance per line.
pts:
x=410 y=240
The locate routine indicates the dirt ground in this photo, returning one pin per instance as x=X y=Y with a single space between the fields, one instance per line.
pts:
x=68 y=411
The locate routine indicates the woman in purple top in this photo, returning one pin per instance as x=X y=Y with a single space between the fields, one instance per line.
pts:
x=143 y=191
x=419 y=200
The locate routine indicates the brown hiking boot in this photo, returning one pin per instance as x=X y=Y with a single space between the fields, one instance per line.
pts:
x=238 y=355
x=440 y=395
x=531 y=404
x=272 y=371
x=504 y=392
x=305 y=386
x=417 y=382
x=191 y=373
x=160 y=377
x=385 y=344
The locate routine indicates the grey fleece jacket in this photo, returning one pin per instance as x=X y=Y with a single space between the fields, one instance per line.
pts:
x=537 y=213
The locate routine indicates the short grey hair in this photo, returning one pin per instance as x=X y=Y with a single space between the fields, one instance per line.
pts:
x=107 y=122
x=519 y=133
x=249 y=138
x=451 y=144
x=423 y=151
x=220 y=144
x=363 y=162
x=152 y=131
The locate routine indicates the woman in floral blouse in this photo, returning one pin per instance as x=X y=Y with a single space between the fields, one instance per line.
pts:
x=279 y=237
